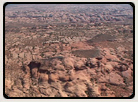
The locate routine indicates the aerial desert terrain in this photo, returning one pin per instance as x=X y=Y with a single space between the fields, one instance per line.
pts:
x=68 y=50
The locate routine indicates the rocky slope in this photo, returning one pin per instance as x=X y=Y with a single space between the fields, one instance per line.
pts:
x=69 y=76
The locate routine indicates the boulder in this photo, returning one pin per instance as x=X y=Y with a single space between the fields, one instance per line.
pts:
x=104 y=60
x=79 y=64
x=53 y=77
x=115 y=79
x=92 y=62
x=111 y=58
x=43 y=77
x=59 y=67
x=108 y=68
x=123 y=67
x=127 y=75
x=68 y=62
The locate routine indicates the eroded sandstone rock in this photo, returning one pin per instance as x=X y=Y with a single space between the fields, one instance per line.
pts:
x=115 y=79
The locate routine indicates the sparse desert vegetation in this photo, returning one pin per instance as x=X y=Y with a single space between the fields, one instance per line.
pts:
x=68 y=50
